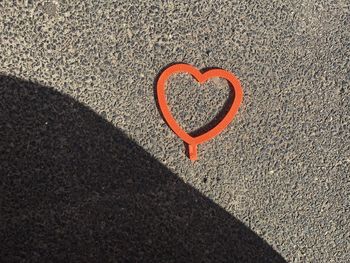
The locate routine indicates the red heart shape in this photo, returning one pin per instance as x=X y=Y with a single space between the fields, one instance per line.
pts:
x=201 y=78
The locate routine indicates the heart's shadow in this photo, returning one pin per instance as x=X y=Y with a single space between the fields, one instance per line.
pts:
x=218 y=117
x=74 y=188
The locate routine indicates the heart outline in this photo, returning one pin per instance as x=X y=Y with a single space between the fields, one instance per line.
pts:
x=193 y=141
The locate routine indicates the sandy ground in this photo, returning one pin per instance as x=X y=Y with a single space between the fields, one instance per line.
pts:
x=281 y=168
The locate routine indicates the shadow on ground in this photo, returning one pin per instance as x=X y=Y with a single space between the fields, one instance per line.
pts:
x=76 y=189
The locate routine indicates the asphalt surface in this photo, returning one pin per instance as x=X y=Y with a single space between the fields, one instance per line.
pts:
x=275 y=182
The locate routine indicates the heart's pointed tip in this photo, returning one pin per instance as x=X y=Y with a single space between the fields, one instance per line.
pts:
x=201 y=81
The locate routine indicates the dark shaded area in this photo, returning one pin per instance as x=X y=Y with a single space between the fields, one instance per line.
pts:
x=76 y=189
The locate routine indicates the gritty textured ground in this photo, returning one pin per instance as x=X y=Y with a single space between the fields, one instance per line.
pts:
x=282 y=167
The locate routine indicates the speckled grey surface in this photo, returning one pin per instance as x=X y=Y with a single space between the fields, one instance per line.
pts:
x=282 y=167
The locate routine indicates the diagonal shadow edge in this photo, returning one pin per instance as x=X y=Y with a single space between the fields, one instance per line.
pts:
x=74 y=187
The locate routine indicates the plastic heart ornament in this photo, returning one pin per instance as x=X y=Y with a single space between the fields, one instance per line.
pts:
x=191 y=141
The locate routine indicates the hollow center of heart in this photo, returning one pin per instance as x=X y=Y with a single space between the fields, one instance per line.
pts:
x=198 y=107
